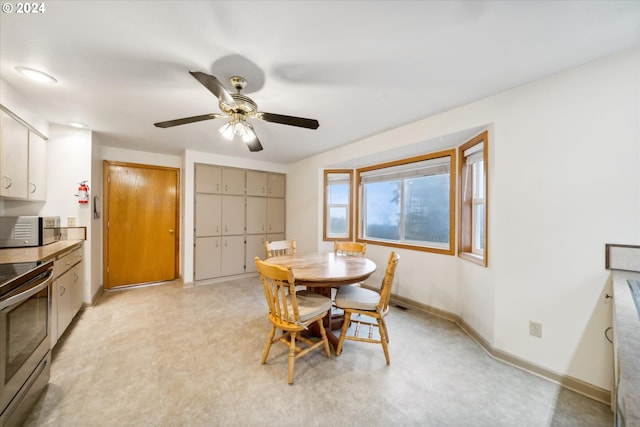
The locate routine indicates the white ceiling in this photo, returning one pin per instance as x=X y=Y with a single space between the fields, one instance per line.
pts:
x=358 y=67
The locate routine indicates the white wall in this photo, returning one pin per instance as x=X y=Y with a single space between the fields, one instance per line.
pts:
x=564 y=155
x=68 y=164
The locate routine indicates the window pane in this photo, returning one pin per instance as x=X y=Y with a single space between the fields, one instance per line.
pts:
x=338 y=194
x=426 y=209
x=382 y=210
x=478 y=180
x=337 y=221
x=478 y=228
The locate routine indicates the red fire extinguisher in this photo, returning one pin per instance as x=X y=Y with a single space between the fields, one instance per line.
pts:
x=83 y=193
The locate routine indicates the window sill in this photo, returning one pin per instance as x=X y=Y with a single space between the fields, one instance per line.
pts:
x=474 y=258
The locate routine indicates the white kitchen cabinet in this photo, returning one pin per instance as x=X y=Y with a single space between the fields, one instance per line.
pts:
x=256 y=183
x=37 y=167
x=68 y=279
x=208 y=253
x=232 y=259
x=276 y=185
x=14 y=157
x=233 y=181
x=68 y=289
x=208 y=178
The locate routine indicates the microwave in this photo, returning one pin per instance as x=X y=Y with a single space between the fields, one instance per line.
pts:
x=20 y=231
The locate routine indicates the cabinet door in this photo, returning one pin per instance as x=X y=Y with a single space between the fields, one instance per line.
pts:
x=256 y=183
x=37 y=167
x=276 y=187
x=275 y=215
x=62 y=287
x=233 y=216
x=233 y=181
x=275 y=237
x=14 y=151
x=256 y=215
x=207 y=258
x=255 y=248
x=208 y=221
x=232 y=260
x=76 y=282
x=208 y=178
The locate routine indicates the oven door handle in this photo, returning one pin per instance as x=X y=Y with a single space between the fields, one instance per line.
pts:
x=23 y=296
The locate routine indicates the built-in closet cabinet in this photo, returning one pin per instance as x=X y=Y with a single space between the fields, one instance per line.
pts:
x=232 y=218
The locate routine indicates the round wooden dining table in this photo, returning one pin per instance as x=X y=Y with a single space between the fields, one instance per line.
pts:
x=326 y=270
x=320 y=272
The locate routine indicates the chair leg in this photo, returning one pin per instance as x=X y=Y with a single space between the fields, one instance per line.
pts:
x=384 y=325
x=325 y=341
x=292 y=357
x=267 y=347
x=343 y=331
x=383 y=338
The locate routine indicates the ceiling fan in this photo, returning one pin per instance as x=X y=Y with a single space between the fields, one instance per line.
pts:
x=238 y=108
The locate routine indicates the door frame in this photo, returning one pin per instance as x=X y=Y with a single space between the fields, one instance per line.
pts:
x=105 y=223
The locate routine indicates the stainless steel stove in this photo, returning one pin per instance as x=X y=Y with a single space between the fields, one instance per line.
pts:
x=25 y=356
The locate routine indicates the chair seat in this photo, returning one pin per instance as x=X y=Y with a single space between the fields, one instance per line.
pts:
x=357 y=298
x=310 y=305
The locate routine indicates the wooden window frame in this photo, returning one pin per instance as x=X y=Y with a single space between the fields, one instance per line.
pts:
x=325 y=212
x=465 y=207
x=451 y=153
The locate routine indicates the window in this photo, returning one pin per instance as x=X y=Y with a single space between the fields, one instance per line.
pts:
x=472 y=170
x=337 y=204
x=409 y=203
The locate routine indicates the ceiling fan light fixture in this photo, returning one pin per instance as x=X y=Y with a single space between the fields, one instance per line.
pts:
x=249 y=135
x=227 y=131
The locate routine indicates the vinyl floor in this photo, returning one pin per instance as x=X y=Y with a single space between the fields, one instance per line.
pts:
x=169 y=355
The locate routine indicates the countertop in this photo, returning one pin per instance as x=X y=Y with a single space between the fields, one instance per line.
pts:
x=627 y=336
x=38 y=253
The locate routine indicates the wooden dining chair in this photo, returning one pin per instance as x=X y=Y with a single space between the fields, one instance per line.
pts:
x=291 y=312
x=280 y=247
x=349 y=248
x=370 y=305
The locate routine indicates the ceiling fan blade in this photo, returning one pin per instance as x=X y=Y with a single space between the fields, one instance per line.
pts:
x=214 y=86
x=289 y=120
x=253 y=143
x=184 y=121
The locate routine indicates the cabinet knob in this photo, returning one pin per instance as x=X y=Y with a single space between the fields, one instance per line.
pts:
x=171 y=231
x=9 y=182
x=33 y=188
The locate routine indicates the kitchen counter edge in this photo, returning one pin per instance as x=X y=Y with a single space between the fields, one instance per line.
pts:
x=38 y=253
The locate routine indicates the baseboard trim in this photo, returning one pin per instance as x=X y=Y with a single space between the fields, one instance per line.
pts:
x=94 y=300
x=571 y=383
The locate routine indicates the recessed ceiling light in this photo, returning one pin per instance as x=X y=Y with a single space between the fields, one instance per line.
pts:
x=35 y=75
x=78 y=125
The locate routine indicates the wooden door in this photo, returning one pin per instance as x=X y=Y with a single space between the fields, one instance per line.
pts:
x=141 y=224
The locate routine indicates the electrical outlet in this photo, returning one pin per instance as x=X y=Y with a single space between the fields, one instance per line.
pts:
x=535 y=329
x=71 y=221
